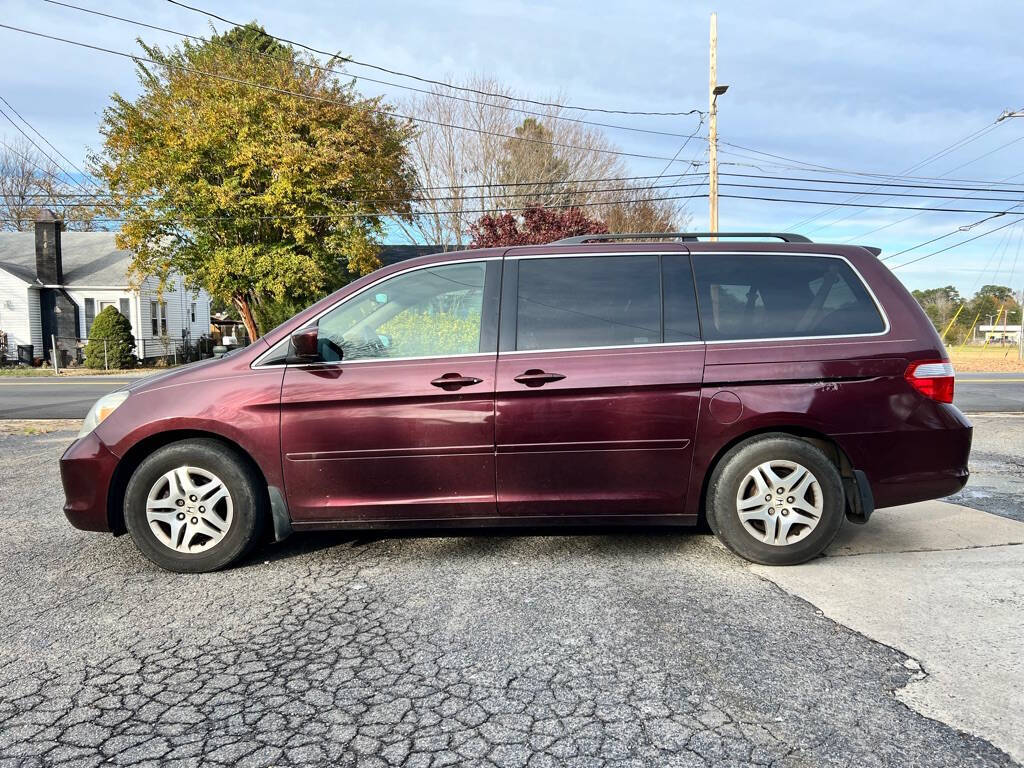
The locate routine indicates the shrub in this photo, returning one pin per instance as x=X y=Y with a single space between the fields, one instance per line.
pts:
x=113 y=327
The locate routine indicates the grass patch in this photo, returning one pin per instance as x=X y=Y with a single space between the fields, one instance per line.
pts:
x=24 y=370
x=991 y=359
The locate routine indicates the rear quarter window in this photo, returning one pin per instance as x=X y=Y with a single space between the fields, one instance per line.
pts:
x=765 y=296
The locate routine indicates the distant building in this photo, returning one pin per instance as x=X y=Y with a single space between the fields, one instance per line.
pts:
x=1007 y=333
x=54 y=283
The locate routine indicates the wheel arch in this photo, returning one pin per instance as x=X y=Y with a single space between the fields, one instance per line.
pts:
x=820 y=440
x=134 y=456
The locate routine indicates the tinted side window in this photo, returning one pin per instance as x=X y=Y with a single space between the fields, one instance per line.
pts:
x=760 y=296
x=588 y=302
x=680 y=302
x=431 y=312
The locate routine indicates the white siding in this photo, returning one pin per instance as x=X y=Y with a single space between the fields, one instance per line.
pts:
x=15 y=313
x=79 y=295
x=35 y=320
x=179 y=301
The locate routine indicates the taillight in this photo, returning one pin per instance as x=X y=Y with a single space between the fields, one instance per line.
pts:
x=932 y=378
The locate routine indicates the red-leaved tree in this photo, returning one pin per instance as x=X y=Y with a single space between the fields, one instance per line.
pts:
x=536 y=226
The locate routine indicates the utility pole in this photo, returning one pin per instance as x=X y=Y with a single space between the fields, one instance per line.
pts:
x=714 y=91
x=713 y=129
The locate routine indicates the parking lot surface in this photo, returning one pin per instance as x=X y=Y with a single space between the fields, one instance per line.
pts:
x=611 y=648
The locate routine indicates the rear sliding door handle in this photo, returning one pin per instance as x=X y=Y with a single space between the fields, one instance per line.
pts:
x=537 y=378
x=452 y=381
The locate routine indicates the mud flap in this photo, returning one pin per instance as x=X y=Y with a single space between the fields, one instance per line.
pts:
x=860 y=501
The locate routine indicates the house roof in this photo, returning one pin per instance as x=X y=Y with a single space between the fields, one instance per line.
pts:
x=93 y=258
x=87 y=258
x=392 y=254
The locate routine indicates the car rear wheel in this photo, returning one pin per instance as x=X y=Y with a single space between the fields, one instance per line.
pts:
x=776 y=500
x=194 y=506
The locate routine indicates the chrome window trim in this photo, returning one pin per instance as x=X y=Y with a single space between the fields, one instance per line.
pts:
x=867 y=287
x=609 y=346
x=258 y=362
x=878 y=305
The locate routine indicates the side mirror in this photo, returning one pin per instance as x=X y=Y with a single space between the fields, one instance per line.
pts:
x=304 y=346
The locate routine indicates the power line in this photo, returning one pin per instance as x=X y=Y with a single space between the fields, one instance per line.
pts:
x=565 y=182
x=600 y=190
x=274 y=217
x=974 y=135
x=41 y=150
x=321 y=68
x=854 y=205
x=958 y=230
x=908 y=218
x=48 y=142
x=840 y=171
x=956 y=245
x=441 y=83
x=324 y=99
x=962 y=165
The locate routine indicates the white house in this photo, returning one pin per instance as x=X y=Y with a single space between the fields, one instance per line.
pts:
x=54 y=283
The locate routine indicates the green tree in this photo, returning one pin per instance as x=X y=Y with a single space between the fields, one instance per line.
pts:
x=111 y=343
x=997 y=292
x=252 y=171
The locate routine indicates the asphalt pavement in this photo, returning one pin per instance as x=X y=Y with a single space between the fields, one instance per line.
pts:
x=54 y=397
x=620 y=648
x=71 y=397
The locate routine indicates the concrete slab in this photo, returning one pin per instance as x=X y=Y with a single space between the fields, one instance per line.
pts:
x=945 y=585
x=926 y=527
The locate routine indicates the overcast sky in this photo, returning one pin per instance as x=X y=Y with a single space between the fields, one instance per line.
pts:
x=872 y=87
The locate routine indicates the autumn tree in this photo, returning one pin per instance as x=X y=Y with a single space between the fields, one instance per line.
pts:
x=536 y=226
x=252 y=170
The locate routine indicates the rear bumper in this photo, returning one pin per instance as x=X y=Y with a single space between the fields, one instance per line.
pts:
x=909 y=465
x=86 y=470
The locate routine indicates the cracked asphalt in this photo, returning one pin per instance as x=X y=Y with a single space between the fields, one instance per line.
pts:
x=612 y=648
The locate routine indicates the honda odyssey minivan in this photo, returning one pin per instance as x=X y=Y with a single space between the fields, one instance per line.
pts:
x=767 y=385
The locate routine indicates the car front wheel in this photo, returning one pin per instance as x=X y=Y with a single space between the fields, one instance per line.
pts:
x=776 y=500
x=194 y=506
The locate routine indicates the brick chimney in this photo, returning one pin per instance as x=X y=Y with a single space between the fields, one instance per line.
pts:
x=49 y=269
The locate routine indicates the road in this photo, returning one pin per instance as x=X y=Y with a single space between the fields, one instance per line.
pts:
x=617 y=648
x=70 y=397
x=44 y=397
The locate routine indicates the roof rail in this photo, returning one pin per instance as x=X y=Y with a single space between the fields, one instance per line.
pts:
x=691 y=236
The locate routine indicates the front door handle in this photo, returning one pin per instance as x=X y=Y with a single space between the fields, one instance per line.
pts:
x=452 y=381
x=537 y=378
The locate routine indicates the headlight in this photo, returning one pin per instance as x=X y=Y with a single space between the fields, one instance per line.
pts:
x=100 y=410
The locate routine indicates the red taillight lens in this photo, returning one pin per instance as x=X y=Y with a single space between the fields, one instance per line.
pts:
x=932 y=378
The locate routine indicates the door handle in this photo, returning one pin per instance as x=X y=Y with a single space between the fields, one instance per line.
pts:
x=452 y=381
x=537 y=378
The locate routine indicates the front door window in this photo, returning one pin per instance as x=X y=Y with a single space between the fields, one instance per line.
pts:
x=431 y=312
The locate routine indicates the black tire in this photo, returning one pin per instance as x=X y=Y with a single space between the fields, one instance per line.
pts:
x=730 y=472
x=249 y=506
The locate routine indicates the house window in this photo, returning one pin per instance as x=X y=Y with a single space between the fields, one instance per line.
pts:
x=193 y=311
x=125 y=307
x=158 y=318
x=90 y=314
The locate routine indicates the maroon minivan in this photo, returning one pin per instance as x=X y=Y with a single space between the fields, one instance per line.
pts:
x=770 y=388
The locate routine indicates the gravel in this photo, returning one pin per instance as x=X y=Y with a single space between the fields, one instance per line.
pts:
x=611 y=648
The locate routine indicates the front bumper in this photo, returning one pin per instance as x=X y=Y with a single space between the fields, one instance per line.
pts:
x=86 y=470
